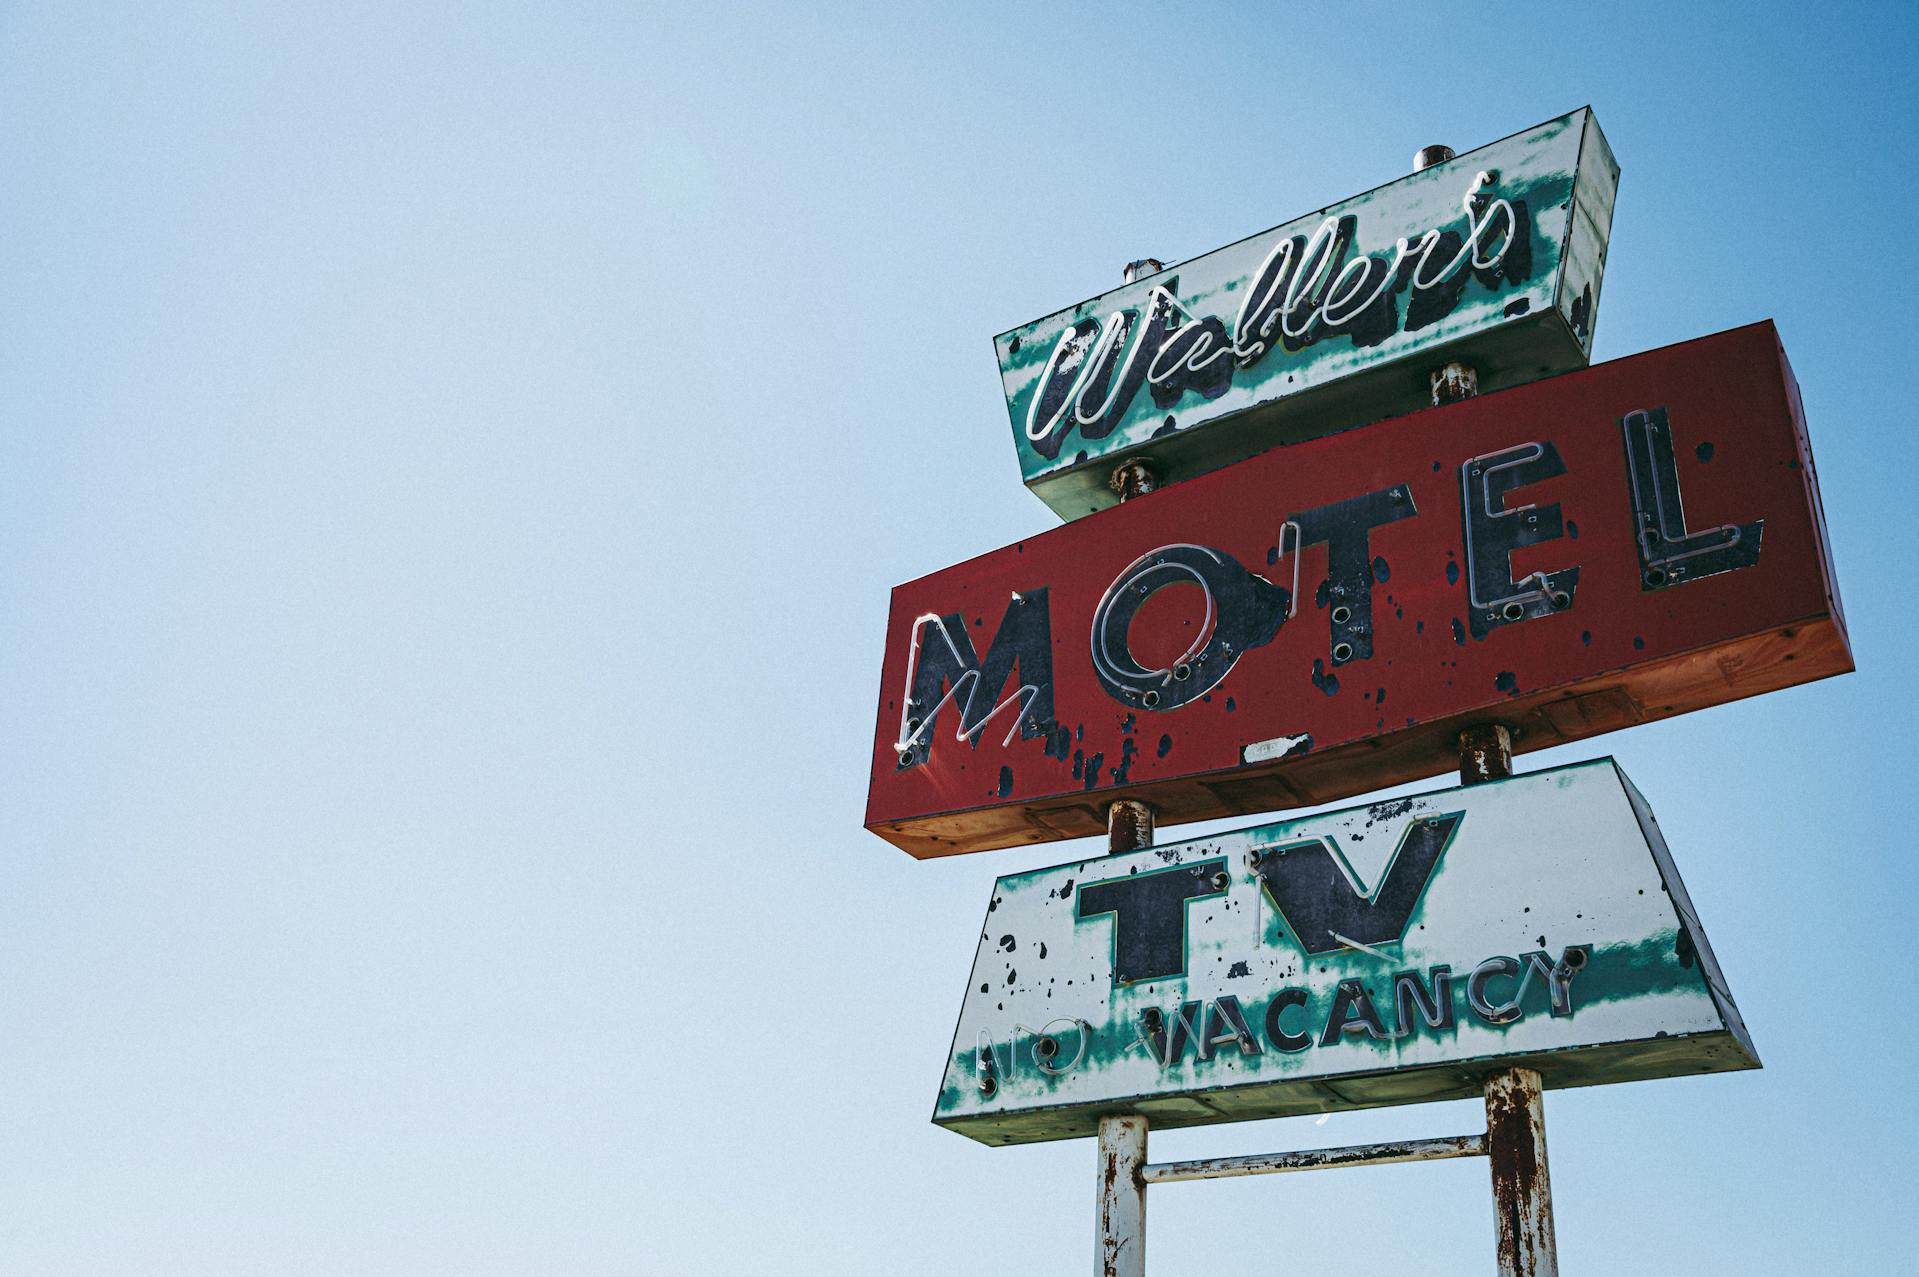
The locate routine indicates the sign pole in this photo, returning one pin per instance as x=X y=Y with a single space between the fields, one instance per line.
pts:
x=1515 y=1099
x=1122 y=1196
x=1122 y=1136
x=1522 y=1192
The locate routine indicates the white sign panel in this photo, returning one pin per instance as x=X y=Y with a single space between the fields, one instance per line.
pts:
x=1385 y=954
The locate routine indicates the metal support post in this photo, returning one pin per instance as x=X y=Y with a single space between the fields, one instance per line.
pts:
x=1122 y=1136
x=1515 y=1107
x=1522 y=1192
x=1485 y=753
x=1132 y=479
x=1129 y=825
x=1122 y=1196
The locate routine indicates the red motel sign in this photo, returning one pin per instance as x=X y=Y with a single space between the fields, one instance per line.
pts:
x=1611 y=546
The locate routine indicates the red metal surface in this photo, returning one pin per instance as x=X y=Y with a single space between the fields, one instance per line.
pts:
x=1613 y=653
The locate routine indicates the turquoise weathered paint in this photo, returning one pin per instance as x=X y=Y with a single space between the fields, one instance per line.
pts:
x=1532 y=213
x=1543 y=863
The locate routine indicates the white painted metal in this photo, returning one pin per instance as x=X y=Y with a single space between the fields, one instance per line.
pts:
x=1122 y=1196
x=1536 y=864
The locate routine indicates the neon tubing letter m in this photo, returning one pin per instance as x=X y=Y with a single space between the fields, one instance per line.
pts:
x=943 y=666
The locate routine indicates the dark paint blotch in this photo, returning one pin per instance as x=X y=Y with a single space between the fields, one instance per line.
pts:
x=1327 y=683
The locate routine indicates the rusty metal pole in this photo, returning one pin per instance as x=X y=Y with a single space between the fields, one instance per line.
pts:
x=1515 y=1105
x=1522 y=1190
x=1122 y=1136
x=1129 y=825
x=1485 y=753
x=1122 y=1196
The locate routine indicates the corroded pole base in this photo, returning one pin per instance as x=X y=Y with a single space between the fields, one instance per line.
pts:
x=1122 y=1196
x=1522 y=1191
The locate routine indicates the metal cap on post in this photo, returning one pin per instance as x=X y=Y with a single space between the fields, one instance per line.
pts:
x=1427 y=156
x=1142 y=268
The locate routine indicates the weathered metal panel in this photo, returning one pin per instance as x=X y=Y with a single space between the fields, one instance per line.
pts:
x=1612 y=546
x=1393 y=953
x=1329 y=321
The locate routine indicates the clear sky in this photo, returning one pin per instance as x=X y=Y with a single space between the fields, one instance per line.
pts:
x=453 y=460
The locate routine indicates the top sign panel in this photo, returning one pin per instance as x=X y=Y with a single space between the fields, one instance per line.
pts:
x=1330 y=321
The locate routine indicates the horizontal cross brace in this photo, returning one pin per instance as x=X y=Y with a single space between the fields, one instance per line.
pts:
x=1317 y=1159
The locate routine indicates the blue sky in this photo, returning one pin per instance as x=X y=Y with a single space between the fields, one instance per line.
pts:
x=453 y=460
